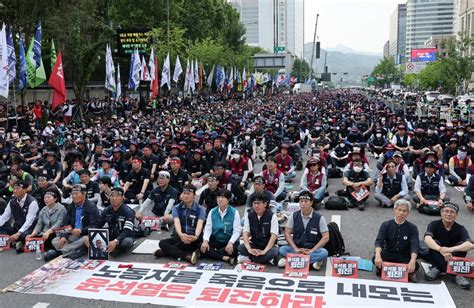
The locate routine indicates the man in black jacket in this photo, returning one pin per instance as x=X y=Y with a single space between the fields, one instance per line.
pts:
x=81 y=215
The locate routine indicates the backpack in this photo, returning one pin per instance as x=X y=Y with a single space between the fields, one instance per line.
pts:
x=335 y=246
x=336 y=203
x=334 y=173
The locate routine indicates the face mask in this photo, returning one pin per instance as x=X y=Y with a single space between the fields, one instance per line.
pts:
x=247 y=137
x=278 y=125
x=378 y=135
x=235 y=156
x=462 y=155
x=318 y=128
x=357 y=169
x=460 y=133
x=342 y=145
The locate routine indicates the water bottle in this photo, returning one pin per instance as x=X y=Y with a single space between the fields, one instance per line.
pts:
x=158 y=225
x=39 y=254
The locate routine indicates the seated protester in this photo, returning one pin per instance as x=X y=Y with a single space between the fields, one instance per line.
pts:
x=106 y=170
x=388 y=247
x=189 y=219
x=417 y=145
x=197 y=167
x=274 y=180
x=6 y=192
x=401 y=167
x=39 y=192
x=224 y=176
x=18 y=171
x=306 y=232
x=314 y=181
x=469 y=194
x=249 y=146
x=50 y=217
x=340 y=154
x=260 y=233
x=93 y=190
x=391 y=186
x=285 y=162
x=449 y=152
x=105 y=187
x=222 y=230
x=150 y=161
x=81 y=215
x=353 y=180
x=433 y=140
x=401 y=141
x=119 y=219
x=357 y=153
x=208 y=197
x=72 y=178
x=258 y=188
x=178 y=176
x=446 y=239
x=389 y=151
x=240 y=167
x=377 y=143
x=209 y=154
x=429 y=186
x=51 y=169
x=163 y=198
x=136 y=186
x=22 y=209
x=419 y=163
x=458 y=168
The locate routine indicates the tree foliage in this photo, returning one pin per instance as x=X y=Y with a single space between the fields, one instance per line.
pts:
x=386 y=71
x=300 y=69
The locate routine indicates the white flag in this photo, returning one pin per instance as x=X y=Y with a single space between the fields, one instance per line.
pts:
x=151 y=65
x=211 y=75
x=145 y=74
x=136 y=69
x=4 y=79
x=187 y=78
x=119 y=86
x=192 y=82
x=230 y=82
x=109 y=70
x=177 y=70
x=166 y=73
x=196 y=71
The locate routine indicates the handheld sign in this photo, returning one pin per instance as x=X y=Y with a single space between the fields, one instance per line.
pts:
x=176 y=265
x=153 y=222
x=252 y=267
x=461 y=267
x=395 y=271
x=344 y=268
x=361 y=194
x=209 y=266
x=33 y=243
x=297 y=266
x=4 y=242
x=63 y=230
x=98 y=244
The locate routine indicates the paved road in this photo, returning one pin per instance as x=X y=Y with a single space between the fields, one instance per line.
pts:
x=358 y=228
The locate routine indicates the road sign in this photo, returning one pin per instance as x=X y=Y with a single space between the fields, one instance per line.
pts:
x=279 y=49
x=415 y=67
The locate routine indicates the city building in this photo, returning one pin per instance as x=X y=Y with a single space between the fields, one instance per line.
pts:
x=465 y=19
x=386 y=49
x=427 y=18
x=398 y=26
x=440 y=43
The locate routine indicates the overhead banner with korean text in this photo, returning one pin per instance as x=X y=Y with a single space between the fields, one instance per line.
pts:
x=156 y=284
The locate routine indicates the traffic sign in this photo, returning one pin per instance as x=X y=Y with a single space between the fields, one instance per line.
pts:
x=279 y=49
x=415 y=67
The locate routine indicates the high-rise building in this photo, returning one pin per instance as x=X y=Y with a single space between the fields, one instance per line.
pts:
x=427 y=18
x=398 y=27
x=273 y=23
x=386 y=49
x=465 y=19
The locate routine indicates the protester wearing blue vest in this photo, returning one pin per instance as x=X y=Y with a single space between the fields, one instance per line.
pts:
x=222 y=231
x=188 y=217
x=310 y=233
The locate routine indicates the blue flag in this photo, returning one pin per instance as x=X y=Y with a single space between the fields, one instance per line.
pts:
x=219 y=77
x=11 y=55
x=22 y=81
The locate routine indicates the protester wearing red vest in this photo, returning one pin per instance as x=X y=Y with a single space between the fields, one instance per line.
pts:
x=285 y=163
x=275 y=180
x=458 y=167
x=314 y=181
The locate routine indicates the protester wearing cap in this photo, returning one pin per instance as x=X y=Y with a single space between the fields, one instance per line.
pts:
x=354 y=180
x=189 y=219
x=274 y=179
x=306 y=232
x=260 y=233
x=17 y=170
x=50 y=218
x=417 y=145
x=151 y=161
x=119 y=219
x=48 y=131
x=450 y=151
x=210 y=154
x=81 y=215
x=285 y=162
x=93 y=190
x=458 y=168
x=162 y=199
x=391 y=185
x=136 y=184
x=377 y=143
x=402 y=167
x=401 y=141
x=222 y=231
x=446 y=239
x=208 y=197
x=314 y=181
x=270 y=143
x=52 y=169
x=197 y=167
x=340 y=154
x=39 y=192
x=397 y=240
x=178 y=175
x=22 y=210
x=257 y=189
x=106 y=170
x=73 y=177
x=429 y=186
x=95 y=161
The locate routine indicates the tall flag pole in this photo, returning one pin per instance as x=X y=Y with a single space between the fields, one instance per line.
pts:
x=109 y=71
x=22 y=80
x=56 y=81
x=200 y=77
x=11 y=54
x=4 y=78
x=34 y=64
x=166 y=73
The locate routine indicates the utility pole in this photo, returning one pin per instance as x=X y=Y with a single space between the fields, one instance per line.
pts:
x=314 y=46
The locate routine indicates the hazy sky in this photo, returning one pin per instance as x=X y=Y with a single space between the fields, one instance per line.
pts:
x=363 y=25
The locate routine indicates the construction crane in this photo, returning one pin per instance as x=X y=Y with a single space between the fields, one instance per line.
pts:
x=314 y=46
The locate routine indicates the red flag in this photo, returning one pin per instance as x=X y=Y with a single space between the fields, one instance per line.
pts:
x=154 y=85
x=56 y=81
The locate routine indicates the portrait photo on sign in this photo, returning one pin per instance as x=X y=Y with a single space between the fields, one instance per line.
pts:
x=99 y=241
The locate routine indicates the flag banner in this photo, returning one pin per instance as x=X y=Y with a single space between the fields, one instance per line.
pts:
x=211 y=76
x=177 y=70
x=34 y=63
x=22 y=80
x=4 y=78
x=151 y=65
x=461 y=266
x=166 y=73
x=220 y=75
x=11 y=54
x=244 y=80
x=57 y=82
x=134 y=73
x=155 y=82
x=145 y=74
x=155 y=284
x=192 y=80
x=53 y=54
x=119 y=85
x=187 y=77
x=196 y=72
x=109 y=71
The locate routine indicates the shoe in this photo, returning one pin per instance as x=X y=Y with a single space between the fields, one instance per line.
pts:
x=317 y=265
x=282 y=262
x=240 y=259
x=412 y=277
x=19 y=247
x=159 y=253
x=462 y=282
x=74 y=255
x=432 y=274
x=51 y=254
x=361 y=206
x=165 y=227
x=232 y=261
x=193 y=258
x=448 y=182
x=146 y=231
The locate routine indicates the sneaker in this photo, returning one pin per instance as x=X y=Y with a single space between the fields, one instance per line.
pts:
x=146 y=231
x=232 y=261
x=317 y=265
x=432 y=274
x=462 y=282
x=19 y=247
x=165 y=227
x=282 y=262
x=194 y=257
x=240 y=259
x=159 y=253
x=361 y=206
x=51 y=254
x=412 y=277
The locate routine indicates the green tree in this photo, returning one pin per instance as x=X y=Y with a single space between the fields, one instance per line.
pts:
x=386 y=71
x=458 y=64
x=300 y=69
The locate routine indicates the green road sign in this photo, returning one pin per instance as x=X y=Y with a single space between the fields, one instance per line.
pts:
x=279 y=49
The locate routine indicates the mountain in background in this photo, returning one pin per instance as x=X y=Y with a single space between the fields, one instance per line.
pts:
x=347 y=49
x=356 y=64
